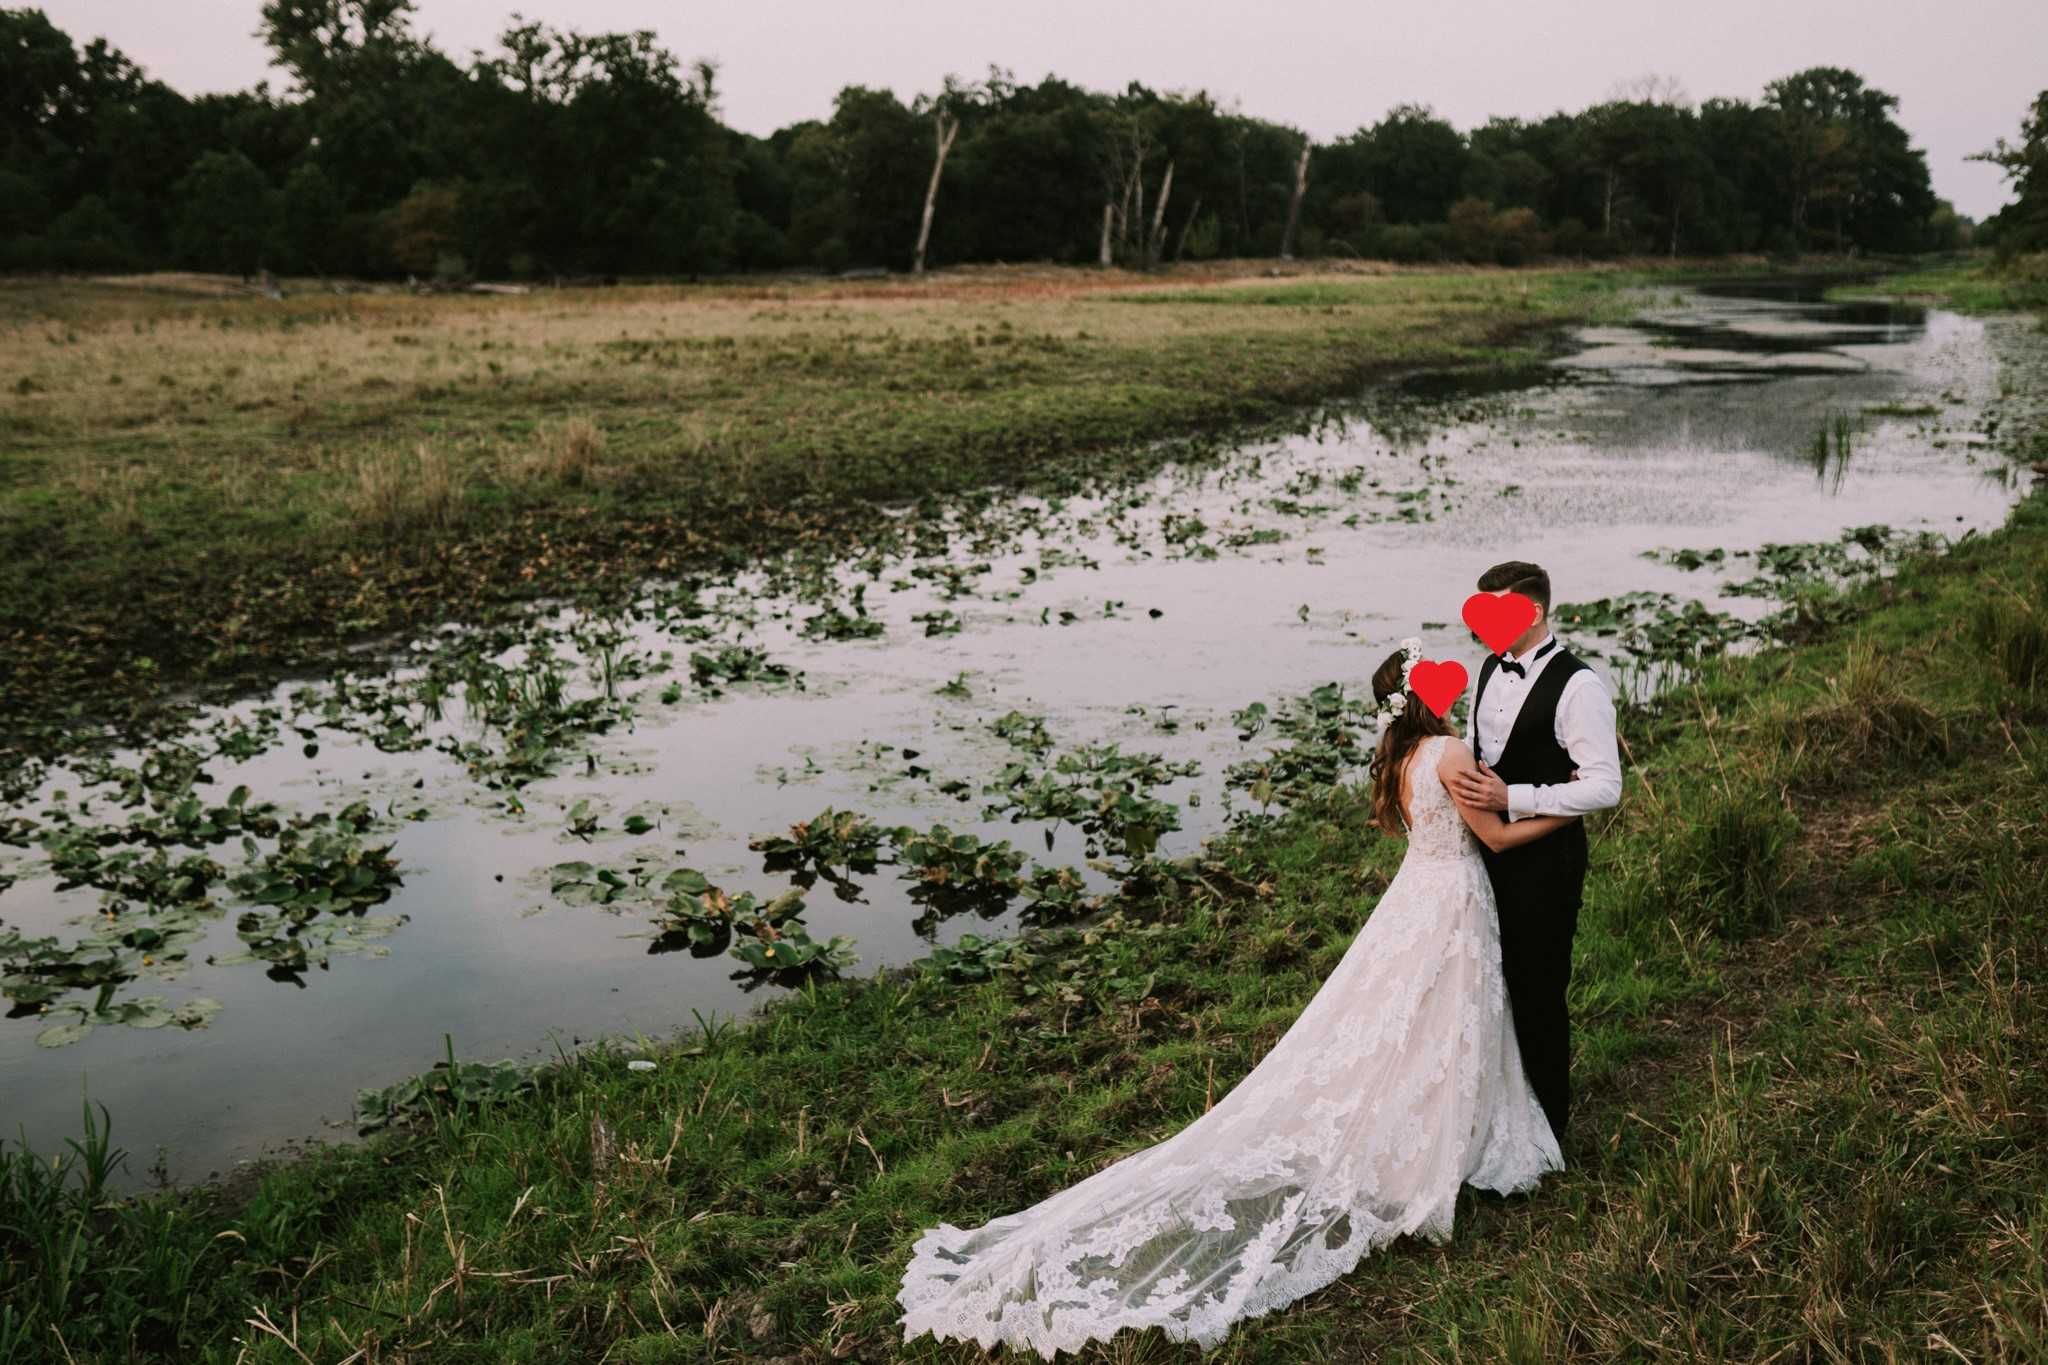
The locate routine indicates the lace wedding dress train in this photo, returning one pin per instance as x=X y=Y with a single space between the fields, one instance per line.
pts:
x=1399 y=1082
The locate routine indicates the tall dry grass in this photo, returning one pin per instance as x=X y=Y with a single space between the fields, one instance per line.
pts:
x=397 y=491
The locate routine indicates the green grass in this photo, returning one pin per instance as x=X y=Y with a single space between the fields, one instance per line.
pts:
x=1812 y=1124
x=1971 y=284
x=203 y=489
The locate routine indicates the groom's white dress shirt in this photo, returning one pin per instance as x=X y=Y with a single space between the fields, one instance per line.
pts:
x=1584 y=728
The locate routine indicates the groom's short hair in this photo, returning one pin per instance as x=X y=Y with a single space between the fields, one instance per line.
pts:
x=1518 y=576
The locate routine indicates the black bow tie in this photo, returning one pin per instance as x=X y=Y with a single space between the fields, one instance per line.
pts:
x=1510 y=666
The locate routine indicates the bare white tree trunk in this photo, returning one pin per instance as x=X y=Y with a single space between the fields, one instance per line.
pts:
x=945 y=128
x=1135 y=224
x=1294 y=203
x=1108 y=217
x=1156 y=238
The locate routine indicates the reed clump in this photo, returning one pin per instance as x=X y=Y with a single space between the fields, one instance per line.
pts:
x=567 y=454
x=2010 y=631
x=1865 y=719
x=398 y=492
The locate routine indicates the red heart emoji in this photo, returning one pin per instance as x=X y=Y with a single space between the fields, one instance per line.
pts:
x=1437 y=683
x=1499 y=621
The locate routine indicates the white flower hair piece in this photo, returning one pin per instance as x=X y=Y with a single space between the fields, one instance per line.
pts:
x=1390 y=708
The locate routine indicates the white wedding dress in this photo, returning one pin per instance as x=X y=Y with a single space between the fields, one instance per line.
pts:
x=1399 y=1082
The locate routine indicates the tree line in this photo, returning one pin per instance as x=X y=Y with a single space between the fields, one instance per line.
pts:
x=563 y=153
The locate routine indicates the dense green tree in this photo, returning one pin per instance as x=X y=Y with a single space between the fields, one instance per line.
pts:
x=2023 y=224
x=562 y=153
x=222 y=217
x=309 y=211
x=1847 y=169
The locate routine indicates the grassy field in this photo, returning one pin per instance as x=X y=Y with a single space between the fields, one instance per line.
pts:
x=1972 y=286
x=198 y=487
x=1813 y=1123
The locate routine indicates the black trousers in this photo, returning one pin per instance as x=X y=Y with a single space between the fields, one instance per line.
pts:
x=1538 y=917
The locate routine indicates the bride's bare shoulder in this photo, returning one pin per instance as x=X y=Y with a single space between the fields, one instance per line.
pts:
x=1452 y=756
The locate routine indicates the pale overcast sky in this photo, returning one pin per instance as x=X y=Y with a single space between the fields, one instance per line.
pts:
x=1964 y=70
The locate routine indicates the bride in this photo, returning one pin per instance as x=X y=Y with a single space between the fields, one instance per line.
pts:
x=1399 y=1082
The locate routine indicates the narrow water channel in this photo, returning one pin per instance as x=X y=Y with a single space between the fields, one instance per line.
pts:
x=1140 y=616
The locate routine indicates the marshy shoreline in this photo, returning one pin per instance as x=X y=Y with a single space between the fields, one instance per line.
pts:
x=1806 y=984
x=209 y=492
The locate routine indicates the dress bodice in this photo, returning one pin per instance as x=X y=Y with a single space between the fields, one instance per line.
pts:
x=1437 y=830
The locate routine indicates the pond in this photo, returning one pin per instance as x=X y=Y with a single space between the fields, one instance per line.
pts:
x=545 y=793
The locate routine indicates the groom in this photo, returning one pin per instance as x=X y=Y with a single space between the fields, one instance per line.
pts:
x=1542 y=731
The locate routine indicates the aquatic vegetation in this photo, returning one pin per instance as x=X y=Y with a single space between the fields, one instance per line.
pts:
x=835 y=625
x=321 y=867
x=1687 y=559
x=1100 y=790
x=738 y=664
x=240 y=740
x=1655 y=628
x=769 y=937
x=583 y=822
x=78 y=858
x=190 y=823
x=150 y=1011
x=831 y=844
x=315 y=886
x=291 y=944
x=783 y=951
x=955 y=580
x=1861 y=552
x=34 y=972
x=529 y=706
x=1023 y=732
x=450 y=1087
x=1054 y=895
x=579 y=883
x=1832 y=446
x=957 y=872
x=772 y=940
x=973 y=958
x=167 y=772
x=695 y=915
x=391 y=715
x=1326 y=727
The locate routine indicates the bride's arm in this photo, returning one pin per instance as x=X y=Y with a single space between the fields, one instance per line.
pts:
x=1487 y=825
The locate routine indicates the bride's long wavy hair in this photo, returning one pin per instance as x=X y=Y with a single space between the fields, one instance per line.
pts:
x=1415 y=724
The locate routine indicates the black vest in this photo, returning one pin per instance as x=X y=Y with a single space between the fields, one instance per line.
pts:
x=1553 y=867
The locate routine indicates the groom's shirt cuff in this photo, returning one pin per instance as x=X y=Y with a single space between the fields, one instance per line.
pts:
x=1521 y=801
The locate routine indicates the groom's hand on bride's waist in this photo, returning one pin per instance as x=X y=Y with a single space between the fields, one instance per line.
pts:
x=1479 y=788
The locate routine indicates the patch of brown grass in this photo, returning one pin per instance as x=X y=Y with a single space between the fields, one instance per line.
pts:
x=568 y=453
x=397 y=491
